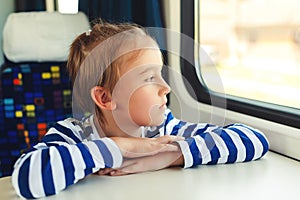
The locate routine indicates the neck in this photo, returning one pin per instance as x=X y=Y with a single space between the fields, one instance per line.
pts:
x=111 y=129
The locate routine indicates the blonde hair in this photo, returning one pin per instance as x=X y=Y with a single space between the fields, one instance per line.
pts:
x=95 y=58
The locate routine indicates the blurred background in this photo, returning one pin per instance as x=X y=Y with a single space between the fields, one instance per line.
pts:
x=255 y=46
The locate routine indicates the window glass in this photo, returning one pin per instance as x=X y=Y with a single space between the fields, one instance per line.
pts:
x=254 y=46
x=67 y=7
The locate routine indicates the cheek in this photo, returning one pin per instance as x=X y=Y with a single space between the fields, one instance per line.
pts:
x=144 y=107
x=139 y=104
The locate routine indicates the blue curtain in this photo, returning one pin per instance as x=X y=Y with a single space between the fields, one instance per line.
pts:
x=29 y=5
x=147 y=13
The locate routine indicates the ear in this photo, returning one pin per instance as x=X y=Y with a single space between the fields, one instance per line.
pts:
x=102 y=98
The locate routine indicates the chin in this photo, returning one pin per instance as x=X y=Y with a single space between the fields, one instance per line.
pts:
x=157 y=121
x=154 y=119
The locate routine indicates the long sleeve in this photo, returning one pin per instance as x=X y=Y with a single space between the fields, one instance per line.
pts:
x=211 y=144
x=61 y=159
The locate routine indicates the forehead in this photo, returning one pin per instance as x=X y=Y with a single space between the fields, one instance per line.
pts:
x=143 y=59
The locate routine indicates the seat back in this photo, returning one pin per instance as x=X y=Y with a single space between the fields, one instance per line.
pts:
x=35 y=91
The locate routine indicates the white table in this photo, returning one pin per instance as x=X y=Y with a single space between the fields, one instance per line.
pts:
x=272 y=177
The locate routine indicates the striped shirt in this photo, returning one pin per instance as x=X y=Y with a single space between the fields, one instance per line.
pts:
x=73 y=149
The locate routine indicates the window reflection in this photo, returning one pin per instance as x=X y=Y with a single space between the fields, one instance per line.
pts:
x=255 y=45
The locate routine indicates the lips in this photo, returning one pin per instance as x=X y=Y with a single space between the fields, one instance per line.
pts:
x=163 y=106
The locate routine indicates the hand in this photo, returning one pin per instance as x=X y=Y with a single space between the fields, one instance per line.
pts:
x=132 y=147
x=149 y=163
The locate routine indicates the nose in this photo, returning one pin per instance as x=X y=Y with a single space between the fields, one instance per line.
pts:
x=165 y=88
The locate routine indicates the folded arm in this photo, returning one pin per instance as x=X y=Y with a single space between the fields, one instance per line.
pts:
x=63 y=157
x=211 y=144
x=60 y=160
x=203 y=144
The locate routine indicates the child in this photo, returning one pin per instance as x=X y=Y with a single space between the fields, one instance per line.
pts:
x=116 y=74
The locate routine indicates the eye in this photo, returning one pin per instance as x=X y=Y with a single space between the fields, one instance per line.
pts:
x=150 y=78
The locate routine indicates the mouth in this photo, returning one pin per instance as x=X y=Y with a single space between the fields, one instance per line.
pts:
x=163 y=106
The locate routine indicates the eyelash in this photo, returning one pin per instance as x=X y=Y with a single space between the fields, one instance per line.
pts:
x=150 y=79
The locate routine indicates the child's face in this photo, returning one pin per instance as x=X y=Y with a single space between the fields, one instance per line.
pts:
x=141 y=91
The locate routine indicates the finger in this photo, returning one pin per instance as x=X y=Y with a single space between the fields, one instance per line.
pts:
x=105 y=171
x=169 y=139
x=169 y=148
x=118 y=173
x=138 y=165
x=155 y=149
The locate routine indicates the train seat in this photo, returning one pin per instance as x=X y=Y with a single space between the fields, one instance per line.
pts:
x=34 y=86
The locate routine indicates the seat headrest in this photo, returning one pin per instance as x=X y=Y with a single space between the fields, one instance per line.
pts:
x=41 y=36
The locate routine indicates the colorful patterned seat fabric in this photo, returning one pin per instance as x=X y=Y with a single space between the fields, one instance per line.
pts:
x=33 y=96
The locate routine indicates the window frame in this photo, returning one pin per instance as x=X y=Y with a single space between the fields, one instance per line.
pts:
x=275 y=113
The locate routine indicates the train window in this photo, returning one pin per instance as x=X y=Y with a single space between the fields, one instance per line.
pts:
x=253 y=47
x=68 y=7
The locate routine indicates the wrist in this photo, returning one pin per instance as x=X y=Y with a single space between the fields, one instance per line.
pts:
x=179 y=160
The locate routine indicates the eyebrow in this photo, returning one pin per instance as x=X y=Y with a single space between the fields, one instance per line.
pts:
x=150 y=69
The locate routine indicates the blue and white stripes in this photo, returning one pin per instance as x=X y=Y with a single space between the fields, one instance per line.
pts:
x=210 y=144
x=53 y=165
x=68 y=153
